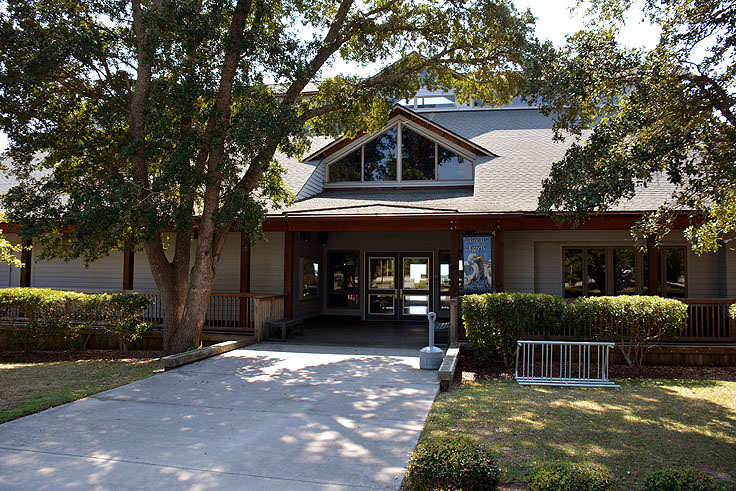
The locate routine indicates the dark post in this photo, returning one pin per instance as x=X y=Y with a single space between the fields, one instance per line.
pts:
x=288 y=273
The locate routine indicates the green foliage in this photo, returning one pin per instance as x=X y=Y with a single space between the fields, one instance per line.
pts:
x=129 y=120
x=732 y=310
x=680 y=479
x=454 y=463
x=38 y=314
x=634 y=322
x=494 y=322
x=649 y=116
x=566 y=476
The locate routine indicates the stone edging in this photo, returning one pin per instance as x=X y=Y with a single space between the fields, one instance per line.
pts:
x=446 y=373
x=179 y=359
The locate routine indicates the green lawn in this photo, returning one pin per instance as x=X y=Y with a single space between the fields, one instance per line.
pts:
x=27 y=388
x=647 y=424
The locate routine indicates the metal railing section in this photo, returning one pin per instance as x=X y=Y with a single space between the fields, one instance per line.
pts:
x=563 y=363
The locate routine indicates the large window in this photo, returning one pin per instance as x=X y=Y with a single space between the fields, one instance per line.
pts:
x=419 y=159
x=310 y=278
x=343 y=279
x=593 y=271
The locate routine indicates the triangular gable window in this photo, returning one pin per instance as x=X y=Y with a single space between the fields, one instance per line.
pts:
x=420 y=159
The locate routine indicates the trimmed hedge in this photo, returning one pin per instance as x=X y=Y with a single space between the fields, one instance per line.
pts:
x=457 y=463
x=566 y=476
x=495 y=321
x=680 y=479
x=38 y=314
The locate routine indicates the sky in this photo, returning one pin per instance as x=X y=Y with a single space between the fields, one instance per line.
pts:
x=554 y=22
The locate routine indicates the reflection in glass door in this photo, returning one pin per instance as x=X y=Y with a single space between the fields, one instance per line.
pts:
x=382 y=285
x=415 y=291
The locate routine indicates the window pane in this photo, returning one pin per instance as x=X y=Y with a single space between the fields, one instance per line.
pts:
x=444 y=257
x=596 y=272
x=310 y=277
x=380 y=157
x=382 y=273
x=344 y=274
x=573 y=273
x=416 y=304
x=416 y=273
x=624 y=274
x=417 y=156
x=451 y=166
x=346 y=169
x=381 y=304
x=675 y=272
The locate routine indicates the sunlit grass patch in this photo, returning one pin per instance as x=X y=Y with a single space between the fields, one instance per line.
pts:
x=27 y=388
x=648 y=424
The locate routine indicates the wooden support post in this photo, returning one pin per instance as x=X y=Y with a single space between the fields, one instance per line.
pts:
x=455 y=245
x=26 y=257
x=128 y=268
x=244 y=280
x=499 y=285
x=288 y=274
x=653 y=260
x=454 y=260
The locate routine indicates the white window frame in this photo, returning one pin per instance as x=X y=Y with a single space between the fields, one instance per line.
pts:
x=399 y=123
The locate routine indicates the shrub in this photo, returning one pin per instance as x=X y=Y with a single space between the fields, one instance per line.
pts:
x=634 y=323
x=680 y=479
x=569 y=477
x=39 y=314
x=458 y=463
x=495 y=321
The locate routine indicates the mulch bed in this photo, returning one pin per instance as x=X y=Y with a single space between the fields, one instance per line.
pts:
x=69 y=355
x=471 y=369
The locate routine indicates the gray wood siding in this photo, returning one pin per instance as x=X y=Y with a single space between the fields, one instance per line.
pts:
x=267 y=264
x=104 y=274
x=314 y=183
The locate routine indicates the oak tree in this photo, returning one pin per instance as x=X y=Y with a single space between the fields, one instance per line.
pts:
x=130 y=121
x=664 y=115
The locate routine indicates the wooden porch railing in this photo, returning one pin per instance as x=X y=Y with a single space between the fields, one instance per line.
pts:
x=244 y=313
x=708 y=320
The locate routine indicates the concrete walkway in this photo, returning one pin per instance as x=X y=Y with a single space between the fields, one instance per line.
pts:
x=264 y=417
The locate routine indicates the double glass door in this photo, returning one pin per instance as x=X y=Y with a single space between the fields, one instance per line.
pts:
x=399 y=285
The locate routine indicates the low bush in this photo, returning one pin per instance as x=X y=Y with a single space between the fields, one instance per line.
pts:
x=495 y=321
x=36 y=315
x=635 y=323
x=680 y=479
x=457 y=463
x=568 y=476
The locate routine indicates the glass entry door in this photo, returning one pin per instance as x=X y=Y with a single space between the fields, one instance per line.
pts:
x=399 y=286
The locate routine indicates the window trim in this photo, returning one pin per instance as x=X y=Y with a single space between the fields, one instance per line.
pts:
x=399 y=123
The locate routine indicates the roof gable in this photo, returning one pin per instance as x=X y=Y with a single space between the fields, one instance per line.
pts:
x=398 y=114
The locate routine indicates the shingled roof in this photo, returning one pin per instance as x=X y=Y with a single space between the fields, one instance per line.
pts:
x=521 y=139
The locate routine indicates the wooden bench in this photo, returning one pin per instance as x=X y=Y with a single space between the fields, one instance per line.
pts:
x=285 y=326
x=442 y=328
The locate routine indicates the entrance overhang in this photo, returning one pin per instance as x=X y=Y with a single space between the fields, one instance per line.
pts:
x=440 y=221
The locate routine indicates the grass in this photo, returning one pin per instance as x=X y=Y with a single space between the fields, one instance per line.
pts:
x=648 y=424
x=27 y=388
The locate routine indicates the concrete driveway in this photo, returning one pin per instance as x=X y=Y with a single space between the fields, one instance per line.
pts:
x=264 y=417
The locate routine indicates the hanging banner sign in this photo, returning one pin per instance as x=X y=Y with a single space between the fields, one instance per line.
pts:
x=477 y=272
